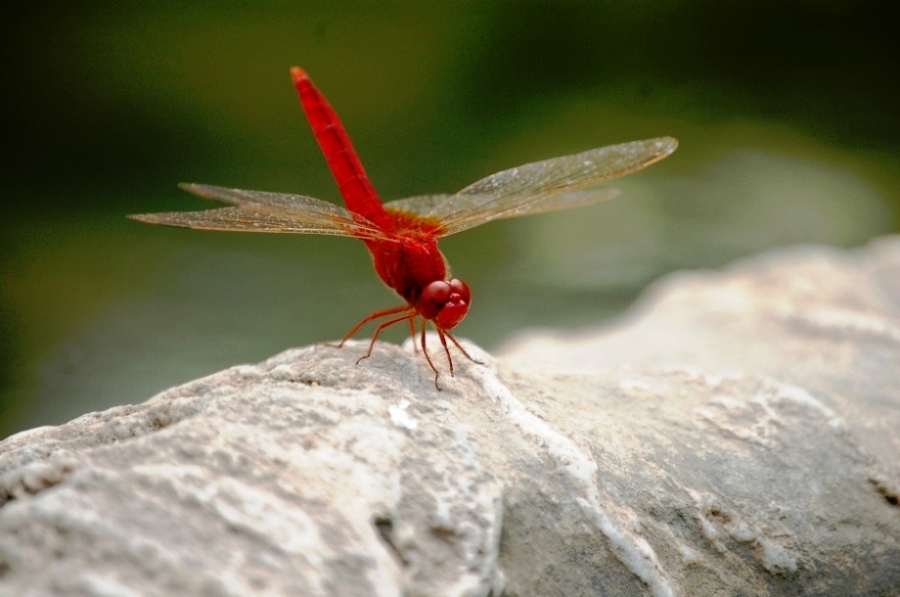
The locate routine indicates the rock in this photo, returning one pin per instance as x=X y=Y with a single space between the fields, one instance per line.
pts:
x=736 y=434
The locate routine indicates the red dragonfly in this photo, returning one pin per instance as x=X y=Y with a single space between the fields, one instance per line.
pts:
x=402 y=235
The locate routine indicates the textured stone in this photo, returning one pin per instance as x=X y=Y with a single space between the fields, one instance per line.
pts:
x=735 y=434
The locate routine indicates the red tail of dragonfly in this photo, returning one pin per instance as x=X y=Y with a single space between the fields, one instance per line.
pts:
x=402 y=235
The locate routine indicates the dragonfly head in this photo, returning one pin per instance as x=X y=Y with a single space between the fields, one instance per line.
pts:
x=444 y=302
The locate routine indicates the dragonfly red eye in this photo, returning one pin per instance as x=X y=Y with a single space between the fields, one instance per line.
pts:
x=445 y=302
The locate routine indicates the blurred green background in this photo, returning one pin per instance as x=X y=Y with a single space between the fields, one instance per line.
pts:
x=786 y=112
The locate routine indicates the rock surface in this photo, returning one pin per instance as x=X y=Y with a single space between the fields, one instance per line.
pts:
x=736 y=434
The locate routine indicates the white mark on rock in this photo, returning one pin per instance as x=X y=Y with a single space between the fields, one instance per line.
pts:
x=729 y=402
x=94 y=584
x=850 y=323
x=688 y=555
x=776 y=559
x=634 y=552
x=711 y=380
x=798 y=395
x=630 y=384
x=740 y=530
x=400 y=415
x=707 y=528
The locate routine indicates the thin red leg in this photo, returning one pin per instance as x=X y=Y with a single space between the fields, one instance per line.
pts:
x=380 y=327
x=446 y=350
x=373 y=316
x=409 y=315
x=443 y=335
x=461 y=349
x=412 y=332
x=428 y=358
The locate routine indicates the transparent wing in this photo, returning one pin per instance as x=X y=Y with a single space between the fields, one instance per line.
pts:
x=549 y=185
x=565 y=201
x=419 y=205
x=261 y=211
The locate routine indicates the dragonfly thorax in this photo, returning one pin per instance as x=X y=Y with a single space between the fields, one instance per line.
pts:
x=444 y=302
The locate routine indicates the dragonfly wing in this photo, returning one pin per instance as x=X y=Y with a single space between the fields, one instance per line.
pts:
x=260 y=211
x=240 y=219
x=420 y=205
x=564 y=201
x=546 y=186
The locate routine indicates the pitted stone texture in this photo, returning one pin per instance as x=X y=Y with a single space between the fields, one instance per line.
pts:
x=735 y=435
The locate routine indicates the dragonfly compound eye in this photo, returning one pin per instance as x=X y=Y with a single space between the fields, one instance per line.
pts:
x=445 y=302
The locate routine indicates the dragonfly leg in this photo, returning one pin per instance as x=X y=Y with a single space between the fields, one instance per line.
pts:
x=446 y=350
x=372 y=317
x=381 y=326
x=443 y=335
x=412 y=331
x=461 y=349
x=428 y=358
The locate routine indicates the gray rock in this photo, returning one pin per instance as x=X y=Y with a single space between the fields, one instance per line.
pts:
x=736 y=434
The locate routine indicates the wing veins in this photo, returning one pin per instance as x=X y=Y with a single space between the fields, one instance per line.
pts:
x=525 y=190
x=262 y=211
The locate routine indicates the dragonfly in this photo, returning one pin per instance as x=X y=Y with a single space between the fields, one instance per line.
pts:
x=402 y=235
